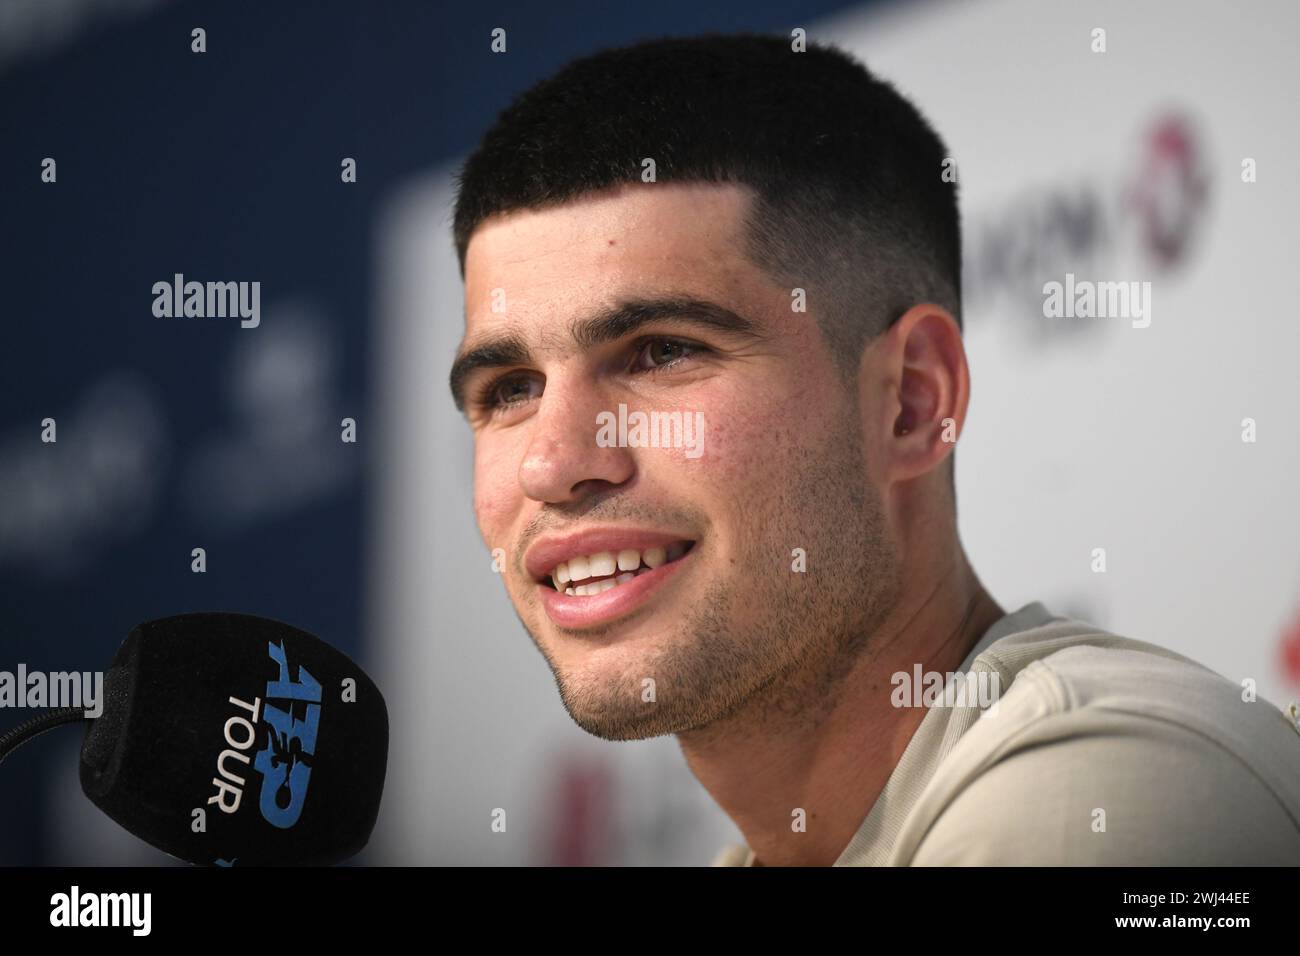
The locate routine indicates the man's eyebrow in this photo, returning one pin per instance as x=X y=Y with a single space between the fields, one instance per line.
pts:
x=626 y=317
x=497 y=352
x=607 y=325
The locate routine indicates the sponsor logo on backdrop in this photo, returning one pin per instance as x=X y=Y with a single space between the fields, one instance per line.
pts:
x=1136 y=225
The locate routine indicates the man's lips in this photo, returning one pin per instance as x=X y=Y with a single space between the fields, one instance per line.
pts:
x=547 y=554
x=610 y=602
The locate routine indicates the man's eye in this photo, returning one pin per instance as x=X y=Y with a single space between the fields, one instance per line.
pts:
x=514 y=390
x=511 y=390
x=658 y=353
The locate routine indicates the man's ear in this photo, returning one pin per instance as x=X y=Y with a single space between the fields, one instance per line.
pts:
x=921 y=365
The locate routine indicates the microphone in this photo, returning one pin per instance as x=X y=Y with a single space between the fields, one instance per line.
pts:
x=230 y=739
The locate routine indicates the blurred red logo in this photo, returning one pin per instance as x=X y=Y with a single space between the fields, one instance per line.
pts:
x=1289 y=651
x=1171 y=190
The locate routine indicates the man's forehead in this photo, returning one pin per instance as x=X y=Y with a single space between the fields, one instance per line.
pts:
x=648 y=233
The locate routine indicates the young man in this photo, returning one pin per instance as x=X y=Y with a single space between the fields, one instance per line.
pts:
x=714 y=368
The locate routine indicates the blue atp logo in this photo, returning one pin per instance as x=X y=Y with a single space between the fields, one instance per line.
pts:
x=285 y=762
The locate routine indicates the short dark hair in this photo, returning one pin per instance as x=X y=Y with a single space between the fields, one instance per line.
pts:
x=850 y=201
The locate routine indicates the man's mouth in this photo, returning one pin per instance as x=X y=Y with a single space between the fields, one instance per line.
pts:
x=592 y=574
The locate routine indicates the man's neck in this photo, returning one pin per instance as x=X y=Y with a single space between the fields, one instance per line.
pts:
x=763 y=764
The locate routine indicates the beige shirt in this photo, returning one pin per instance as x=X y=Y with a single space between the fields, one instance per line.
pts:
x=1099 y=751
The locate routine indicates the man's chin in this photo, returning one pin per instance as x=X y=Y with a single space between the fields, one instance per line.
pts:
x=655 y=672
x=622 y=697
x=621 y=721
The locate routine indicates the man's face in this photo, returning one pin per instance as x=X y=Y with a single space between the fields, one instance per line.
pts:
x=737 y=566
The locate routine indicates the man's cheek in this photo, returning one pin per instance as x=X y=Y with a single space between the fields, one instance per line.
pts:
x=734 y=444
x=496 y=498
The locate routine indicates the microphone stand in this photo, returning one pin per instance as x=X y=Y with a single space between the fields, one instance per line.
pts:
x=13 y=739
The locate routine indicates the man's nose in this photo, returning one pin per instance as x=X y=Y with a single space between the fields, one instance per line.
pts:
x=562 y=460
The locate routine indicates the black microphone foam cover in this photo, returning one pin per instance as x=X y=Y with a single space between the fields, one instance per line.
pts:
x=232 y=739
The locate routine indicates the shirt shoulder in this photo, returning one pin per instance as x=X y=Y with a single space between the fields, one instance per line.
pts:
x=1145 y=793
x=1107 y=750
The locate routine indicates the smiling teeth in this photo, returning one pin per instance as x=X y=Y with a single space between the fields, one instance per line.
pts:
x=596 y=587
x=605 y=565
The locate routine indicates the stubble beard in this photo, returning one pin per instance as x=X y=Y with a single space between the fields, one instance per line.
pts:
x=763 y=645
